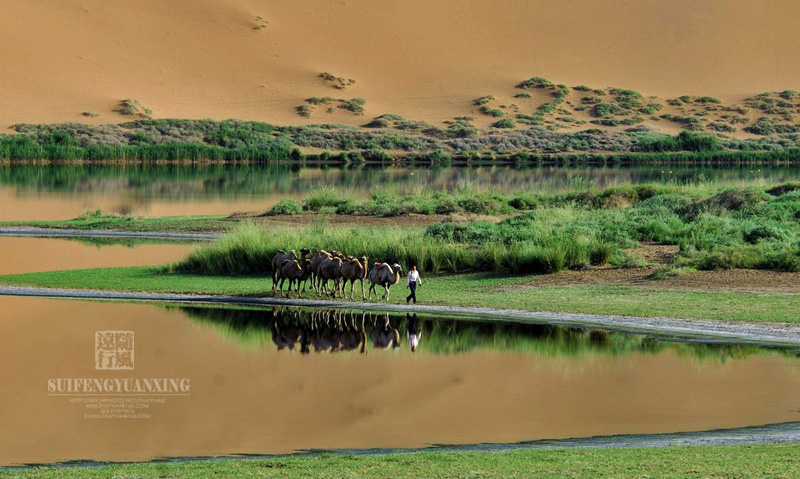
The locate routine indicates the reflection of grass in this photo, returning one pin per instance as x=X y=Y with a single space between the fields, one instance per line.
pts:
x=481 y=290
x=251 y=327
x=169 y=224
x=127 y=242
x=770 y=460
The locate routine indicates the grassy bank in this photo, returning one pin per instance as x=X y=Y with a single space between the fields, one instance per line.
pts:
x=773 y=461
x=386 y=139
x=96 y=220
x=745 y=227
x=751 y=227
x=481 y=290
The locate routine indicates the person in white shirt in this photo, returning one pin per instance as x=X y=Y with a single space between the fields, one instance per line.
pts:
x=411 y=283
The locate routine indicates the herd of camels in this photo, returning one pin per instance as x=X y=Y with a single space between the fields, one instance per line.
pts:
x=323 y=267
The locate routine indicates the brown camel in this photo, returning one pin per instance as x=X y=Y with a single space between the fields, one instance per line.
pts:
x=296 y=272
x=384 y=275
x=354 y=270
x=315 y=262
x=278 y=260
x=329 y=268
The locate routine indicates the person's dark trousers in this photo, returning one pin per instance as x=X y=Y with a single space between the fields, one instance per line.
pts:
x=413 y=286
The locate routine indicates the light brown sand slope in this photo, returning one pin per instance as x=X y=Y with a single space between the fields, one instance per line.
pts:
x=426 y=60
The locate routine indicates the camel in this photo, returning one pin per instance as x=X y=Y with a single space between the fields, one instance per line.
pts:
x=296 y=272
x=354 y=270
x=279 y=259
x=315 y=262
x=329 y=268
x=384 y=275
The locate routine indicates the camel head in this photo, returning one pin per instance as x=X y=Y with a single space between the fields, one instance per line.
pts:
x=304 y=252
x=397 y=268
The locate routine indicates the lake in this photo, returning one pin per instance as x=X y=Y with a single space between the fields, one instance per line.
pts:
x=50 y=192
x=270 y=381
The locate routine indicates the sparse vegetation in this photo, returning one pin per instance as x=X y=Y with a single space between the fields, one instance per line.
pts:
x=536 y=82
x=504 y=123
x=355 y=105
x=340 y=83
x=131 y=107
x=494 y=112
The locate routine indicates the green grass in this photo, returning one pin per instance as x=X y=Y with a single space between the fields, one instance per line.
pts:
x=480 y=290
x=728 y=228
x=96 y=220
x=761 y=461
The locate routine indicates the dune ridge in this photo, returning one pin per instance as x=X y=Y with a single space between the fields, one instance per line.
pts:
x=426 y=60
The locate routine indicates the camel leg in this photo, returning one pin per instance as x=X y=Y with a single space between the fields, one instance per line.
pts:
x=352 y=285
x=362 y=289
x=387 y=293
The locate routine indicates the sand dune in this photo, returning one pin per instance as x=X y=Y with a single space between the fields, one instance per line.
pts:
x=425 y=60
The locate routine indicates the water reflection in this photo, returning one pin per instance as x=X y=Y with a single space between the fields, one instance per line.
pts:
x=60 y=192
x=468 y=381
x=338 y=331
x=29 y=255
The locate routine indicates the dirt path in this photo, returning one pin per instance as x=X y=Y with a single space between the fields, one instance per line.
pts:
x=768 y=334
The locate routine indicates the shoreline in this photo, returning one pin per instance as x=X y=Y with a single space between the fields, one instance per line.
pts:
x=772 y=334
x=52 y=232
x=779 y=433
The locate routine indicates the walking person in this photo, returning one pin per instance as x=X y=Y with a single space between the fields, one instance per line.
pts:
x=411 y=283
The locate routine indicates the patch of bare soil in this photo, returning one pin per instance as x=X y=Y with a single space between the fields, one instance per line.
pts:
x=356 y=220
x=736 y=280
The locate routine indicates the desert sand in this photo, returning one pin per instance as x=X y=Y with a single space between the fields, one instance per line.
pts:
x=426 y=60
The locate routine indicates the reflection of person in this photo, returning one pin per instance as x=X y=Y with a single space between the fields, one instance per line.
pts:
x=411 y=283
x=413 y=331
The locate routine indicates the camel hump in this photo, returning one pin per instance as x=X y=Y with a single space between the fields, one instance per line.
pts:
x=377 y=265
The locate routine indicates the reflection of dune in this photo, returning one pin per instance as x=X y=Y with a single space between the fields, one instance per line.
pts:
x=319 y=331
x=63 y=192
x=422 y=59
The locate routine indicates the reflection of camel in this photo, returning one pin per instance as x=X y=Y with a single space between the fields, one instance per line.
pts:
x=351 y=337
x=323 y=337
x=384 y=275
x=285 y=335
x=384 y=336
x=335 y=330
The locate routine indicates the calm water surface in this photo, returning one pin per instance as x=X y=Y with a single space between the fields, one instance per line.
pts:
x=64 y=192
x=30 y=255
x=277 y=381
